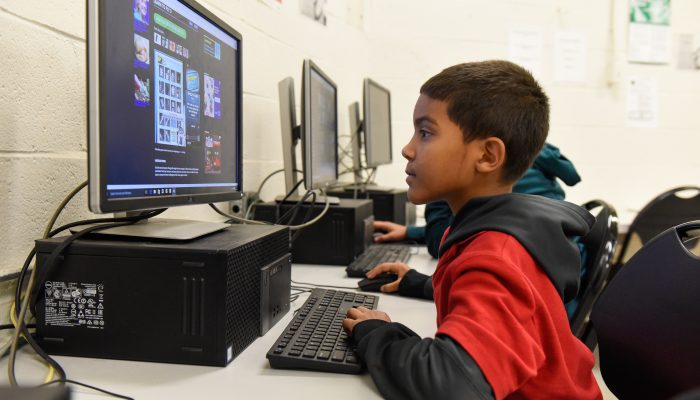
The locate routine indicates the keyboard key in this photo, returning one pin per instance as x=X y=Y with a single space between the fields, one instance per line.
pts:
x=338 y=355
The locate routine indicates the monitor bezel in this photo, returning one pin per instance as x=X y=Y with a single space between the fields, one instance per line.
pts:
x=97 y=196
x=368 y=134
x=307 y=149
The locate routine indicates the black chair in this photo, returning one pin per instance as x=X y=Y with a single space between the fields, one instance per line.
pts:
x=648 y=320
x=599 y=244
x=666 y=210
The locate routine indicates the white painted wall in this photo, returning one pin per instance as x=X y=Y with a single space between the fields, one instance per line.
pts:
x=399 y=43
x=411 y=41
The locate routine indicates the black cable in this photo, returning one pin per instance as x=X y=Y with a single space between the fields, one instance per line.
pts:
x=23 y=271
x=134 y=218
x=51 y=260
x=10 y=326
x=43 y=275
x=286 y=196
x=61 y=206
x=121 y=396
x=38 y=350
x=294 y=210
x=316 y=285
x=307 y=217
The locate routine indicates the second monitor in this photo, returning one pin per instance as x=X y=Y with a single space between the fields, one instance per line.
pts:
x=374 y=135
x=342 y=233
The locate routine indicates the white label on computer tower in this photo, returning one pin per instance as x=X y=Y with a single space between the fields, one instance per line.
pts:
x=74 y=304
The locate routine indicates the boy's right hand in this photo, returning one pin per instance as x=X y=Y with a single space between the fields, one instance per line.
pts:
x=400 y=269
x=392 y=232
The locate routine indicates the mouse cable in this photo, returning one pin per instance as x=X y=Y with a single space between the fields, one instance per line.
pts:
x=318 y=285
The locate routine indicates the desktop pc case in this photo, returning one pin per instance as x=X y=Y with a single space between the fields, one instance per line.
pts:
x=198 y=302
x=336 y=239
x=389 y=204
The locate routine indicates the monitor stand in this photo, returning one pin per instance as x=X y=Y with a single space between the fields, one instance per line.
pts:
x=163 y=228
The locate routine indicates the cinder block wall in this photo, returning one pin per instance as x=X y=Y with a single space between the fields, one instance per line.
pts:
x=396 y=42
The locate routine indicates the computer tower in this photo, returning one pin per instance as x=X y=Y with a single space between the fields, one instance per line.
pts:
x=336 y=239
x=196 y=302
x=389 y=204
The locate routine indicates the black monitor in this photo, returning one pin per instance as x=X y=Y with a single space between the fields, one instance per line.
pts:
x=373 y=133
x=164 y=105
x=377 y=124
x=318 y=130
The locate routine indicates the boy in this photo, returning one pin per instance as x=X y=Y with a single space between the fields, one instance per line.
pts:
x=507 y=263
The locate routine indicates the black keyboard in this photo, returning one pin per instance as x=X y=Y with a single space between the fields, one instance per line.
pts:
x=376 y=254
x=315 y=338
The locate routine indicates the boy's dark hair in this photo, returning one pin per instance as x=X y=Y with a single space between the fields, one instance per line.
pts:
x=496 y=98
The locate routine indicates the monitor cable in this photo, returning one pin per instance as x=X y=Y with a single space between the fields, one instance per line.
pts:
x=260 y=188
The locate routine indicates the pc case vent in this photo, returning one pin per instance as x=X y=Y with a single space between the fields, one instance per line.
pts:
x=193 y=295
x=243 y=304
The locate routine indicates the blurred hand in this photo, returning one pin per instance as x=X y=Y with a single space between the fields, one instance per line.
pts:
x=399 y=269
x=356 y=315
x=392 y=232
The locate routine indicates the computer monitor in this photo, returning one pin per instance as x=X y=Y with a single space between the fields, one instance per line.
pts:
x=164 y=105
x=377 y=124
x=318 y=130
x=373 y=133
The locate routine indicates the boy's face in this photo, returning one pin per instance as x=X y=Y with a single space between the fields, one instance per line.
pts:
x=441 y=165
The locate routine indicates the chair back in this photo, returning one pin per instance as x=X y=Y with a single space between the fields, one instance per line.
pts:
x=647 y=320
x=599 y=245
x=666 y=210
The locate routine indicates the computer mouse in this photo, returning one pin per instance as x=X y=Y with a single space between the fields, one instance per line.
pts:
x=374 y=284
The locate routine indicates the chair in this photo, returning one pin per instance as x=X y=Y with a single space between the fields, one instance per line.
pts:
x=666 y=210
x=648 y=320
x=599 y=245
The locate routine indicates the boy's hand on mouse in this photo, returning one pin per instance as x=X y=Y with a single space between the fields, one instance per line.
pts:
x=356 y=315
x=399 y=269
x=392 y=232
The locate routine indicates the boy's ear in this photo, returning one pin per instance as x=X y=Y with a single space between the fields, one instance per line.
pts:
x=493 y=155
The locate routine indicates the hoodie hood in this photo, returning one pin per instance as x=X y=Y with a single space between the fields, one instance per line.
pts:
x=541 y=178
x=545 y=227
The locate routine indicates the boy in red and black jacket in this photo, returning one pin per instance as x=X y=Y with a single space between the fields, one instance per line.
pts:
x=507 y=262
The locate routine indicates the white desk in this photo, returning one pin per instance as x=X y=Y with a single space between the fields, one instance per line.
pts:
x=249 y=375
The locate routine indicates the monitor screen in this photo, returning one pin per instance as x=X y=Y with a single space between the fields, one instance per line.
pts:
x=319 y=127
x=164 y=108
x=377 y=124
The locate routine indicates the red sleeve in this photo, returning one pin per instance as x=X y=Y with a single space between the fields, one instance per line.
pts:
x=489 y=310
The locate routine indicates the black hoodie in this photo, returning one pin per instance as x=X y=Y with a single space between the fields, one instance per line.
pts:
x=404 y=366
x=545 y=227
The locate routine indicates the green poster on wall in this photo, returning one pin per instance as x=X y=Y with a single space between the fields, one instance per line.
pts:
x=649 y=36
x=656 y=12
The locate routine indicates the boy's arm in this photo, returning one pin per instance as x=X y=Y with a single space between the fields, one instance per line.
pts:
x=410 y=283
x=404 y=366
x=438 y=217
x=415 y=284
